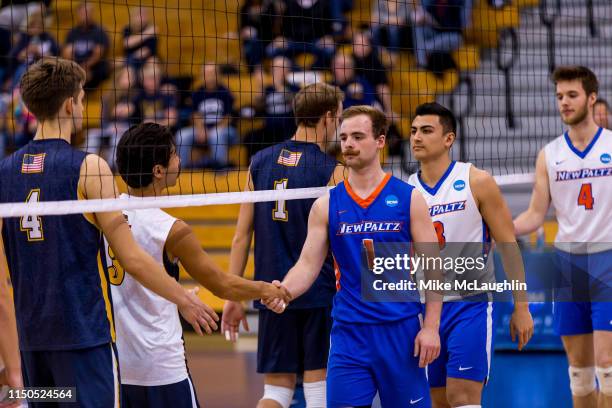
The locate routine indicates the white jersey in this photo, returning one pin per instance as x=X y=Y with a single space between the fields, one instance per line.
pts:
x=457 y=219
x=149 y=333
x=581 y=192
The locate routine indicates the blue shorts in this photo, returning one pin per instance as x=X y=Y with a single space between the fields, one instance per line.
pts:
x=92 y=371
x=366 y=358
x=466 y=340
x=583 y=299
x=294 y=341
x=177 y=395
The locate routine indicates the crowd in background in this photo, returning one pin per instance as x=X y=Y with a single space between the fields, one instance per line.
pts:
x=273 y=34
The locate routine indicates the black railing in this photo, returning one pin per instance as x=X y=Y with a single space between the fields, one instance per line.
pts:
x=462 y=111
x=548 y=20
x=507 y=54
x=591 y=18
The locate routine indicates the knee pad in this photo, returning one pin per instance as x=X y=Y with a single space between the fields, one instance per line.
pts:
x=582 y=380
x=314 y=393
x=282 y=395
x=604 y=377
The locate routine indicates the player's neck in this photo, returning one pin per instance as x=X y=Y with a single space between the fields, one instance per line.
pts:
x=149 y=191
x=54 y=129
x=364 y=181
x=582 y=133
x=433 y=170
x=309 y=135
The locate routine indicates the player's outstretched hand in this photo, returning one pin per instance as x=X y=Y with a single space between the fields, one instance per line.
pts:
x=199 y=315
x=276 y=290
x=8 y=379
x=277 y=305
x=521 y=325
x=427 y=346
x=233 y=314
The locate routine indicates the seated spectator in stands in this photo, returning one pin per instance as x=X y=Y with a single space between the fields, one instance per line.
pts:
x=276 y=108
x=390 y=23
x=438 y=28
x=21 y=123
x=601 y=113
x=194 y=147
x=33 y=42
x=139 y=37
x=369 y=67
x=13 y=14
x=215 y=102
x=357 y=90
x=278 y=99
x=259 y=24
x=87 y=44
x=156 y=102
x=118 y=114
x=306 y=28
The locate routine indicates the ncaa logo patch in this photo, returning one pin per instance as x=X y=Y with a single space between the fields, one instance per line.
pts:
x=391 y=201
x=605 y=158
x=459 y=185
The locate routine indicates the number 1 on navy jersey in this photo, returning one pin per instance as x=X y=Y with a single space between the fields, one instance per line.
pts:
x=585 y=196
x=279 y=213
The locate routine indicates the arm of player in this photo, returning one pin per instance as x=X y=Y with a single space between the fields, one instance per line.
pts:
x=307 y=268
x=427 y=342
x=9 y=346
x=97 y=182
x=183 y=244
x=233 y=312
x=531 y=219
x=496 y=215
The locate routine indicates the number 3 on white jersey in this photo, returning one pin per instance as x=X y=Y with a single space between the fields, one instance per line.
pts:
x=32 y=225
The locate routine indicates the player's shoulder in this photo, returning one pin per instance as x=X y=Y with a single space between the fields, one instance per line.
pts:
x=480 y=177
x=93 y=164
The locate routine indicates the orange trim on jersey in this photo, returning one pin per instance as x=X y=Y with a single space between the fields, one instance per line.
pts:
x=337 y=273
x=365 y=202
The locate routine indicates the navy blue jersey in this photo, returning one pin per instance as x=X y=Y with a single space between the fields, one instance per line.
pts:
x=60 y=281
x=281 y=226
x=382 y=218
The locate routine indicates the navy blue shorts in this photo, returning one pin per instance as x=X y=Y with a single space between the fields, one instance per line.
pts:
x=92 y=371
x=177 y=395
x=294 y=341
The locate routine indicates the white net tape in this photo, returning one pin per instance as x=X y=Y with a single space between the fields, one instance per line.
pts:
x=133 y=203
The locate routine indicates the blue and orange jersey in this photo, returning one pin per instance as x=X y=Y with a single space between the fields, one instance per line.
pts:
x=56 y=263
x=357 y=226
x=281 y=226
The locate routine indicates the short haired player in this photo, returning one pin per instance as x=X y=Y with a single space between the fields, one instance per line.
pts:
x=574 y=174
x=149 y=336
x=298 y=341
x=467 y=209
x=57 y=264
x=375 y=346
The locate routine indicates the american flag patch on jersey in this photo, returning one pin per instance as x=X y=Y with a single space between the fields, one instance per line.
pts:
x=33 y=163
x=287 y=158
